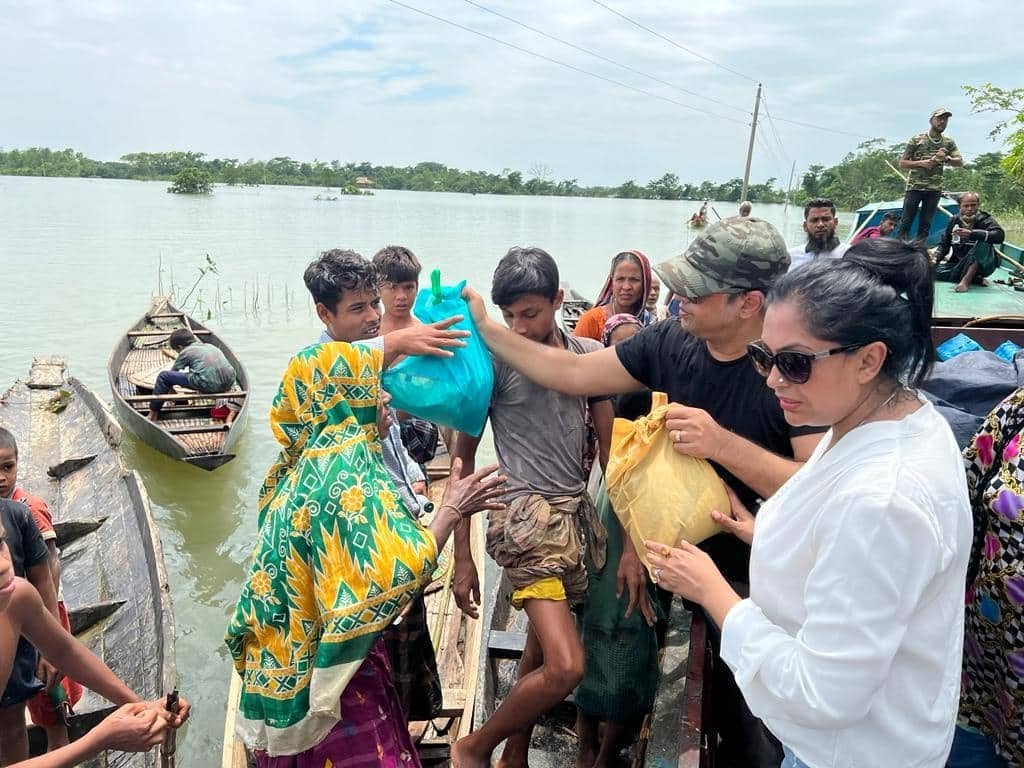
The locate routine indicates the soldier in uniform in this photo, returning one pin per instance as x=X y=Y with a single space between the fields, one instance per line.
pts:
x=925 y=156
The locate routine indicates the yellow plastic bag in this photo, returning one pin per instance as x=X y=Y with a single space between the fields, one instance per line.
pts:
x=659 y=494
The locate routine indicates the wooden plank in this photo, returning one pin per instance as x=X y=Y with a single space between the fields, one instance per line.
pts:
x=233 y=395
x=677 y=726
x=144 y=334
x=46 y=373
x=198 y=430
x=474 y=632
x=233 y=752
x=165 y=315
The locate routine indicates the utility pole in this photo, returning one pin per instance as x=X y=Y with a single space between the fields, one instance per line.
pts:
x=789 y=187
x=750 y=147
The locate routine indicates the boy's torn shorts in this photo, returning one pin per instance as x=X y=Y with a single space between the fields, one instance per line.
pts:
x=541 y=544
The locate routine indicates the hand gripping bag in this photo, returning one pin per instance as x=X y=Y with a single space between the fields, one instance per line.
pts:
x=657 y=493
x=450 y=391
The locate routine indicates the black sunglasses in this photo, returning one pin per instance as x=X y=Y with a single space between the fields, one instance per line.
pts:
x=794 y=366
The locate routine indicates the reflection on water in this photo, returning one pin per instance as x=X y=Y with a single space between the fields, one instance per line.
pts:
x=82 y=256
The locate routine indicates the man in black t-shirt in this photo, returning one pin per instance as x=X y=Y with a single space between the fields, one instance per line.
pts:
x=723 y=410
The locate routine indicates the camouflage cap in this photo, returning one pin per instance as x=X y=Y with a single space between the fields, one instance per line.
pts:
x=941 y=112
x=731 y=256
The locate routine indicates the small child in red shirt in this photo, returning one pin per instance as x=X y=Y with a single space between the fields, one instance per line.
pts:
x=41 y=707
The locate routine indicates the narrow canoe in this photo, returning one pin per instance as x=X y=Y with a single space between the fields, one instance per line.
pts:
x=187 y=430
x=112 y=566
x=456 y=639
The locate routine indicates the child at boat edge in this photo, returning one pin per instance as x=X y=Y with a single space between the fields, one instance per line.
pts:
x=137 y=726
x=41 y=707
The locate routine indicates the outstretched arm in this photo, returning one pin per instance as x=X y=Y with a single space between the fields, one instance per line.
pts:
x=63 y=650
x=695 y=433
x=595 y=373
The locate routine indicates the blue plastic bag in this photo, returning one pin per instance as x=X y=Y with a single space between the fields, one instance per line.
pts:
x=451 y=391
x=957 y=345
x=1007 y=350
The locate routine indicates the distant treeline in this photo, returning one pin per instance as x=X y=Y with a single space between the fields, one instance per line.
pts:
x=422 y=177
x=861 y=177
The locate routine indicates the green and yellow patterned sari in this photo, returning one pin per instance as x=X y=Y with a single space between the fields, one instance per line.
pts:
x=338 y=555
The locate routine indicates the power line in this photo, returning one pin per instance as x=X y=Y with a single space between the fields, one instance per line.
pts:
x=604 y=58
x=670 y=41
x=573 y=67
x=775 y=132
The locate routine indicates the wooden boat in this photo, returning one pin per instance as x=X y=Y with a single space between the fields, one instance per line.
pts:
x=871 y=215
x=993 y=313
x=112 y=566
x=187 y=430
x=573 y=307
x=456 y=638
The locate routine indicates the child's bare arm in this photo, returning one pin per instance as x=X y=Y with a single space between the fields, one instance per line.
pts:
x=62 y=649
x=603 y=414
x=40 y=576
x=466 y=579
x=51 y=547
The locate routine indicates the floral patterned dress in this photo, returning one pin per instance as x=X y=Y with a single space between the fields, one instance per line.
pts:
x=337 y=558
x=992 y=699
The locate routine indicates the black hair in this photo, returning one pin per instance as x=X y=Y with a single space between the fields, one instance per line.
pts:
x=524 y=272
x=397 y=264
x=181 y=338
x=881 y=290
x=891 y=216
x=336 y=271
x=819 y=202
x=7 y=441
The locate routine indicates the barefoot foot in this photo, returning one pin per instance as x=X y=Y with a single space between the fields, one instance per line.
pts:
x=960 y=288
x=462 y=757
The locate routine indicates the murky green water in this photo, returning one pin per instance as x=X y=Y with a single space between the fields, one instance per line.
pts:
x=81 y=258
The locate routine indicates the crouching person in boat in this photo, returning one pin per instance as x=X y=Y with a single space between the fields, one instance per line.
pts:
x=137 y=726
x=339 y=556
x=966 y=252
x=550 y=523
x=198 y=366
x=849 y=646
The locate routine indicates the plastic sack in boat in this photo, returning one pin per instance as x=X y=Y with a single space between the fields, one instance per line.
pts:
x=450 y=391
x=659 y=494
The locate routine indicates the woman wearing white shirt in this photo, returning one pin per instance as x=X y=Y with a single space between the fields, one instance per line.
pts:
x=849 y=647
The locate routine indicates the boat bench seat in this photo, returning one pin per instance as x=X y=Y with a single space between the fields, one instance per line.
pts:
x=505 y=645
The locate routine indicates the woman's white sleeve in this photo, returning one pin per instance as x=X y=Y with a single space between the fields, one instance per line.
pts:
x=875 y=556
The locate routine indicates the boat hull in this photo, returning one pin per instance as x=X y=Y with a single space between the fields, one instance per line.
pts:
x=188 y=434
x=112 y=569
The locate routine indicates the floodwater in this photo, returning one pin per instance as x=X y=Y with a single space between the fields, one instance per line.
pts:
x=81 y=258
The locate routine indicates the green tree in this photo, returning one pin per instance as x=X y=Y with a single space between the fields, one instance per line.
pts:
x=629 y=190
x=191 y=181
x=665 y=188
x=991 y=98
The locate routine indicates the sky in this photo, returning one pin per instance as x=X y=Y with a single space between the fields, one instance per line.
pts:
x=381 y=81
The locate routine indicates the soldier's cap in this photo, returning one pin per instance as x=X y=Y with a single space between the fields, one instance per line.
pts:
x=940 y=112
x=735 y=255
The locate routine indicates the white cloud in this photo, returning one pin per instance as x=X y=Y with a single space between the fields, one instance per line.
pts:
x=375 y=81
